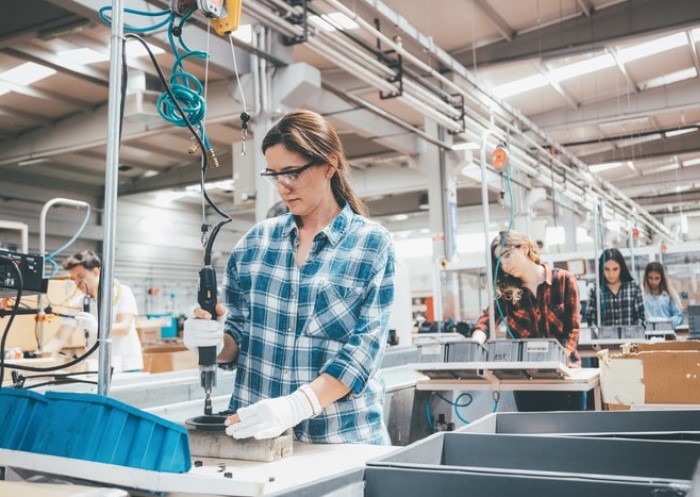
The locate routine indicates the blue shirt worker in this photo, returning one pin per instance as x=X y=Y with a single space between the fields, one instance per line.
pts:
x=660 y=298
x=308 y=295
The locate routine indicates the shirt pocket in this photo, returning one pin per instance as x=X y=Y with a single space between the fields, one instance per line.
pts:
x=335 y=313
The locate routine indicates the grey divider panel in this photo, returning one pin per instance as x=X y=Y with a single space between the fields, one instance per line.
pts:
x=417 y=482
x=679 y=425
x=598 y=458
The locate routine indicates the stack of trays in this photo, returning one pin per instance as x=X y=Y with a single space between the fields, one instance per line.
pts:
x=93 y=428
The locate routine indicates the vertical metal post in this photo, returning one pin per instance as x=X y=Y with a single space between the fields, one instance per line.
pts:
x=111 y=184
x=597 y=213
x=490 y=294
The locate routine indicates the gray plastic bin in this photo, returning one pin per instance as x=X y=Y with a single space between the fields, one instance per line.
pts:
x=671 y=425
x=465 y=352
x=555 y=456
x=419 y=482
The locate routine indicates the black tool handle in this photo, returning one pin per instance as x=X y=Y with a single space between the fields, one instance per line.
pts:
x=206 y=294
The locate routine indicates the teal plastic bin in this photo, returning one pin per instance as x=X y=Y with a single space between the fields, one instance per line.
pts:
x=169 y=327
x=102 y=429
x=21 y=413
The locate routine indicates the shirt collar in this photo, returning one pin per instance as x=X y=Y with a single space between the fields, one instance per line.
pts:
x=547 y=274
x=333 y=232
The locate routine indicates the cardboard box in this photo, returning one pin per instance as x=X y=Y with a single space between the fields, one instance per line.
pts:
x=168 y=357
x=651 y=373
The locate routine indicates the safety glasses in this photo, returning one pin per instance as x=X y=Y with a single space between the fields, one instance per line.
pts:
x=289 y=177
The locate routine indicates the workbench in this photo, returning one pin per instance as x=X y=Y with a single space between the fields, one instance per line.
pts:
x=308 y=464
x=499 y=377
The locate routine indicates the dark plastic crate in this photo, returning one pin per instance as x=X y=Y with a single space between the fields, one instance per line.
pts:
x=465 y=352
x=102 y=429
x=21 y=413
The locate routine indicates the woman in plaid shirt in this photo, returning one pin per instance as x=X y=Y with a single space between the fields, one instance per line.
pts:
x=621 y=300
x=309 y=296
x=536 y=301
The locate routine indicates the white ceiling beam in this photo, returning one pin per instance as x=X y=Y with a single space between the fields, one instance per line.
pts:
x=90 y=130
x=680 y=176
x=59 y=64
x=586 y=7
x=503 y=28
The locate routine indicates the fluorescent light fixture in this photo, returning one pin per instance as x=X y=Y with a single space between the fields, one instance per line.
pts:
x=660 y=169
x=27 y=74
x=333 y=21
x=83 y=56
x=624 y=124
x=669 y=79
x=466 y=146
x=653 y=47
x=521 y=86
x=35 y=161
x=636 y=140
x=4 y=89
x=681 y=131
x=606 y=166
x=696 y=34
x=399 y=217
x=691 y=162
x=584 y=67
x=244 y=32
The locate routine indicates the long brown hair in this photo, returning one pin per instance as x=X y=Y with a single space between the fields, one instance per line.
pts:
x=665 y=284
x=313 y=137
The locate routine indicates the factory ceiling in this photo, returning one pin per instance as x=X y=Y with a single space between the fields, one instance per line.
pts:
x=597 y=97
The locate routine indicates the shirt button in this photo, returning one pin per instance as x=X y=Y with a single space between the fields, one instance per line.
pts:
x=289 y=330
x=285 y=372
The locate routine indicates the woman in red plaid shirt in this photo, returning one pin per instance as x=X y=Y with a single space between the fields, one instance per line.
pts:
x=536 y=301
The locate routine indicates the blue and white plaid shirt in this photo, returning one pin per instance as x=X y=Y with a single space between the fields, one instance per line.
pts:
x=329 y=315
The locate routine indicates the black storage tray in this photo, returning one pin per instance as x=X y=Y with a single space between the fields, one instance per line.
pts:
x=557 y=456
x=666 y=424
x=417 y=482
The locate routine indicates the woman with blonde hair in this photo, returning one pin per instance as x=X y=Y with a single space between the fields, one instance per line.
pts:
x=660 y=298
x=535 y=301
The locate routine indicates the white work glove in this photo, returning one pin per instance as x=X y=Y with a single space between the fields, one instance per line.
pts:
x=88 y=323
x=203 y=333
x=270 y=418
x=478 y=336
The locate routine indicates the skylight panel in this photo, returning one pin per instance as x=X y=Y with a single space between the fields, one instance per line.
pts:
x=521 y=86
x=668 y=79
x=27 y=74
x=83 y=56
x=581 y=68
x=653 y=47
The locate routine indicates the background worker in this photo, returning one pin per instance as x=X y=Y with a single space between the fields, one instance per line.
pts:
x=660 y=298
x=621 y=298
x=308 y=295
x=535 y=301
x=84 y=269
